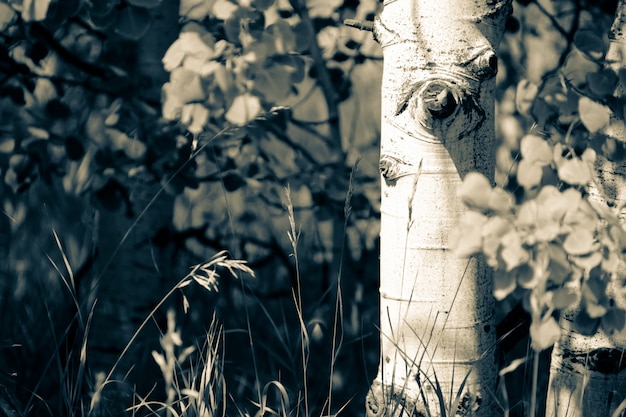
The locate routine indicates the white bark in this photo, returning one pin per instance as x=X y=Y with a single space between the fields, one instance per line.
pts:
x=437 y=125
x=588 y=373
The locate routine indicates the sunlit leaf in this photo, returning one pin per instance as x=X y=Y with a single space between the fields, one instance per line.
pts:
x=195 y=9
x=322 y=8
x=7 y=145
x=244 y=109
x=35 y=10
x=186 y=85
x=284 y=38
x=224 y=9
x=536 y=150
x=133 y=148
x=475 y=191
x=500 y=201
x=492 y=233
x=132 y=22
x=467 y=237
x=544 y=333
x=513 y=253
x=525 y=96
x=529 y=174
x=563 y=298
x=587 y=262
x=272 y=83
x=594 y=115
x=579 y=242
x=7 y=16
x=575 y=171
x=195 y=116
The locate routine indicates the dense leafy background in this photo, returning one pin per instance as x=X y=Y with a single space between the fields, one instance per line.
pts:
x=104 y=105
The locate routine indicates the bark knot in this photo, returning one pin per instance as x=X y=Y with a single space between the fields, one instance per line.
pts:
x=439 y=100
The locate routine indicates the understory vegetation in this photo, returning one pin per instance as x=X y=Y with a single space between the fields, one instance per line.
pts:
x=140 y=137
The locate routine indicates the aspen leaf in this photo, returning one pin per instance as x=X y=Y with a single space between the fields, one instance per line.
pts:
x=492 y=233
x=594 y=115
x=244 y=109
x=504 y=283
x=613 y=321
x=560 y=268
x=529 y=174
x=574 y=171
x=195 y=116
x=133 y=148
x=611 y=263
x=589 y=43
x=272 y=83
x=536 y=150
x=7 y=16
x=194 y=44
x=262 y=4
x=564 y=297
x=588 y=261
x=513 y=253
x=594 y=293
x=544 y=333
x=525 y=96
x=224 y=9
x=475 y=191
x=284 y=38
x=186 y=85
x=584 y=324
x=303 y=35
x=602 y=82
x=579 y=242
x=466 y=239
x=526 y=276
x=195 y=9
x=500 y=201
x=35 y=10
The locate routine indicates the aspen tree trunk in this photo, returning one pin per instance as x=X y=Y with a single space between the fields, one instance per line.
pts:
x=588 y=373
x=437 y=125
x=134 y=277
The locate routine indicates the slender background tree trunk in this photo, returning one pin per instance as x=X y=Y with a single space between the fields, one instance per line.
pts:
x=134 y=277
x=437 y=125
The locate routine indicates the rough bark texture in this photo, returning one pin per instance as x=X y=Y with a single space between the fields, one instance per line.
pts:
x=588 y=373
x=437 y=125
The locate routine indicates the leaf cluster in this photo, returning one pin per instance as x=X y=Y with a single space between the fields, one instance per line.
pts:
x=554 y=241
